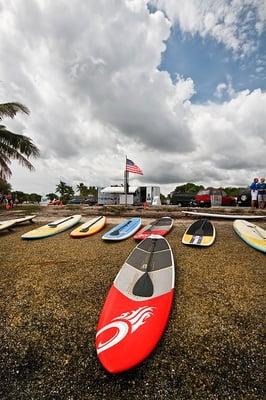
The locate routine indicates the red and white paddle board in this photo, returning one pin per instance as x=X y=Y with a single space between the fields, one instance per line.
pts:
x=137 y=307
x=160 y=227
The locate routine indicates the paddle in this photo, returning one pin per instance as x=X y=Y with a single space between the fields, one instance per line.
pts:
x=54 y=225
x=200 y=231
x=153 y=224
x=88 y=227
x=258 y=232
x=117 y=231
x=144 y=286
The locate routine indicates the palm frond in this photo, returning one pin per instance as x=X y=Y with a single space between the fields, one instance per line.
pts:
x=16 y=147
x=7 y=152
x=11 y=109
x=5 y=171
x=21 y=143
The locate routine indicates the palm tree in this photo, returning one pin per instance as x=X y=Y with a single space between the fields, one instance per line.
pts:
x=61 y=188
x=80 y=188
x=83 y=190
x=65 y=191
x=12 y=145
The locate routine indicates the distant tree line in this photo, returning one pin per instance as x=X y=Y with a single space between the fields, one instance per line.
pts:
x=188 y=188
x=65 y=192
x=18 y=196
x=21 y=197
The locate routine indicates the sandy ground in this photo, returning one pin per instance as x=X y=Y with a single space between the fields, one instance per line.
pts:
x=51 y=294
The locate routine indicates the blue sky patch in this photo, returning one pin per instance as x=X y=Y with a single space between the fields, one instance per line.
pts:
x=210 y=63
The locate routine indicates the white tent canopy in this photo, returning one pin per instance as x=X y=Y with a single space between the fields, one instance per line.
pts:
x=118 y=189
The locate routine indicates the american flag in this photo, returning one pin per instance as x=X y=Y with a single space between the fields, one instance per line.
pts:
x=132 y=167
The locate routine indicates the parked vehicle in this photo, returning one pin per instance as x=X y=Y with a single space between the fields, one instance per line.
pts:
x=75 y=200
x=244 y=198
x=204 y=197
x=183 y=199
x=90 y=200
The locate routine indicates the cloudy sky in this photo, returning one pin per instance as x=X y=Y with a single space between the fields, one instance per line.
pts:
x=178 y=87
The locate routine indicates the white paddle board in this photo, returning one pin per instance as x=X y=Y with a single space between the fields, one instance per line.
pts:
x=6 y=225
x=228 y=216
x=21 y=220
x=252 y=234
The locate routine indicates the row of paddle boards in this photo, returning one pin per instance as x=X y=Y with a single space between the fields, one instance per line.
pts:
x=124 y=230
x=199 y=233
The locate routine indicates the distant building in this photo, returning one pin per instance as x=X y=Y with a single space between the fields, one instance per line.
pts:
x=135 y=195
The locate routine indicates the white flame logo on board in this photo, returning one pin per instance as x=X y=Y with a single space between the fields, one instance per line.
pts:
x=128 y=321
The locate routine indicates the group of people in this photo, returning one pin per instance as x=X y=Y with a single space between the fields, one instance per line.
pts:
x=258 y=193
x=55 y=202
x=6 y=200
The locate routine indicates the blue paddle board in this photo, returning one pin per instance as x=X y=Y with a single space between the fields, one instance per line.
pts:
x=124 y=230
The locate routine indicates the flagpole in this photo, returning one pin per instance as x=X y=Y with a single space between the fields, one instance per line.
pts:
x=125 y=182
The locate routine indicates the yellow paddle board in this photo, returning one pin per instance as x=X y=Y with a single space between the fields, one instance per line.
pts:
x=200 y=233
x=90 y=227
x=52 y=228
x=251 y=234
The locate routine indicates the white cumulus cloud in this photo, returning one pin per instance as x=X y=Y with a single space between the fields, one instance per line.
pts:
x=231 y=22
x=89 y=73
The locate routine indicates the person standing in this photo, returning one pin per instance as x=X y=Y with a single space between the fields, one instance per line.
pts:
x=254 y=193
x=261 y=193
x=9 y=201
